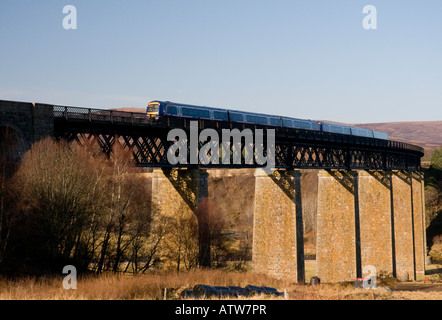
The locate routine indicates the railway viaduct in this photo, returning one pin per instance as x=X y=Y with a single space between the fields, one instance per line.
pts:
x=370 y=194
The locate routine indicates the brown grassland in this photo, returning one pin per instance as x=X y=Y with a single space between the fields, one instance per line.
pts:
x=169 y=285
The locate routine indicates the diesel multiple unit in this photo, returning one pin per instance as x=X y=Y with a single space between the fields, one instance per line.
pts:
x=160 y=109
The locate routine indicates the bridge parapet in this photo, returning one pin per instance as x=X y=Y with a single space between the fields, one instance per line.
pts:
x=26 y=122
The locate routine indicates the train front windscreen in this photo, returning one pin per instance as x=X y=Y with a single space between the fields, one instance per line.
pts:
x=152 y=109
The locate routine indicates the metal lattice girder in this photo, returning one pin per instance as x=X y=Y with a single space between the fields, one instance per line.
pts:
x=294 y=148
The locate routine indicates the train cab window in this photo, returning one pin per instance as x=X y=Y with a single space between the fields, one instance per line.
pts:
x=153 y=109
x=171 y=110
x=220 y=115
x=236 y=117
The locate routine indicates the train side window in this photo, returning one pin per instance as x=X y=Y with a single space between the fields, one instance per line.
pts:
x=305 y=125
x=202 y=113
x=187 y=112
x=256 y=119
x=252 y=119
x=287 y=122
x=172 y=110
x=336 y=129
x=262 y=120
x=236 y=117
x=299 y=124
x=275 y=122
x=219 y=115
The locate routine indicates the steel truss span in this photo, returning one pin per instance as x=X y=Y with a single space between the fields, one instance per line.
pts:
x=104 y=130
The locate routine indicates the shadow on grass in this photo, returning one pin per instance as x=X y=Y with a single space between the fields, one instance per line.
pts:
x=433 y=271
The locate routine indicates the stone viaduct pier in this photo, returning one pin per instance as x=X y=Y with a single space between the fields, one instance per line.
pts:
x=370 y=192
x=365 y=218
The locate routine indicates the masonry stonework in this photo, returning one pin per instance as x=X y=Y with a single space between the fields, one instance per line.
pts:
x=184 y=192
x=375 y=221
x=419 y=230
x=30 y=122
x=424 y=218
x=278 y=248
x=368 y=218
x=336 y=251
x=403 y=225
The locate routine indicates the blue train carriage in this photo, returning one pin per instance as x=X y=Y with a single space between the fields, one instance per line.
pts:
x=158 y=109
x=369 y=133
x=360 y=132
x=301 y=124
x=335 y=128
x=380 y=135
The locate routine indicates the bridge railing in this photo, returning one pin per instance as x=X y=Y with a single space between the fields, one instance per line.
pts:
x=404 y=146
x=88 y=114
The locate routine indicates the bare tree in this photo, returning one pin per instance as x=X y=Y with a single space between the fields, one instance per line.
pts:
x=181 y=244
x=147 y=242
x=9 y=151
x=57 y=188
x=127 y=211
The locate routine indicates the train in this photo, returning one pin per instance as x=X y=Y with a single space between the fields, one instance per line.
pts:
x=157 y=109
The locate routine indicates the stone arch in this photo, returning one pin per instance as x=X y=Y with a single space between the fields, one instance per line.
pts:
x=13 y=144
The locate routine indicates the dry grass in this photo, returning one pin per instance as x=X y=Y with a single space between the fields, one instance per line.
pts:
x=151 y=287
x=114 y=287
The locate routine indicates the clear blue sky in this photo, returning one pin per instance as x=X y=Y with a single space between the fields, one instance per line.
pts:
x=302 y=58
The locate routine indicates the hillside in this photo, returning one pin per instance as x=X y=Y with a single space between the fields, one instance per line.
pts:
x=426 y=134
x=128 y=109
